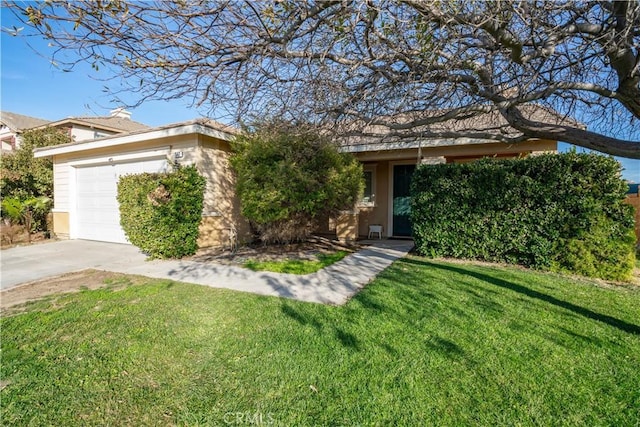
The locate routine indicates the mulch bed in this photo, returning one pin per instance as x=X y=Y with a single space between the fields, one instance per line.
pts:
x=258 y=252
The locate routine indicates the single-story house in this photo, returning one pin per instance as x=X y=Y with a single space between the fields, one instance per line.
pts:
x=86 y=175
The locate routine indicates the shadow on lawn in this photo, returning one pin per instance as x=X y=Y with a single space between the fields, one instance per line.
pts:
x=612 y=321
x=345 y=338
x=445 y=346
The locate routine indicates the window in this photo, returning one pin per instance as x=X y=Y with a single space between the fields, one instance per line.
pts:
x=368 y=184
x=97 y=134
x=369 y=196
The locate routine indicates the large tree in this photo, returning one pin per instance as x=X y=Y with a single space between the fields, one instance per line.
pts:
x=403 y=67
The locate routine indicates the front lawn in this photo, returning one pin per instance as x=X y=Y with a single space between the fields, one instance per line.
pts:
x=427 y=343
x=297 y=266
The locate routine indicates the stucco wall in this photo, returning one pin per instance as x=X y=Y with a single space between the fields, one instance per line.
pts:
x=85 y=133
x=222 y=210
x=61 y=224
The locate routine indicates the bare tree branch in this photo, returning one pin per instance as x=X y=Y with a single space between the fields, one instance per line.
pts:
x=413 y=68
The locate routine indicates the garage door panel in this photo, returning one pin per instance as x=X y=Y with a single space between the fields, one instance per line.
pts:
x=100 y=186
x=98 y=214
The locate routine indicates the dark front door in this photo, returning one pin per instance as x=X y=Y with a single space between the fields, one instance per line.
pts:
x=402 y=199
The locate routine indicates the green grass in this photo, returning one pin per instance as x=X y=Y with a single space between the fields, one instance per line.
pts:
x=427 y=343
x=297 y=266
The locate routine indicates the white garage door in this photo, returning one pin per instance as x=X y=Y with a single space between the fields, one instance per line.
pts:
x=97 y=213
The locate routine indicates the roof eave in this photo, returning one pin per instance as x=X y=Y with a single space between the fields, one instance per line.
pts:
x=133 y=138
x=421 y=143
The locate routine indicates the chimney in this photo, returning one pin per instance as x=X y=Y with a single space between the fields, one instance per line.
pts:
x=121 y=112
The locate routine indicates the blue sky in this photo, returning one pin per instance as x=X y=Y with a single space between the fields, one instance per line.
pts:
x=30 y=85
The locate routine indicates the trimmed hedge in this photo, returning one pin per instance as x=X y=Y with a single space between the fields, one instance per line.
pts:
x=561 y=212
x=161 y=213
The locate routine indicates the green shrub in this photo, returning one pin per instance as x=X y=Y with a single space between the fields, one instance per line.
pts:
x=288 y=178
x=161 y=213
x=32 y=212
x=37 y=208
x=596 y=252
x=24 y=177
x=26 y=183
x=560 y=212
x=12 y=208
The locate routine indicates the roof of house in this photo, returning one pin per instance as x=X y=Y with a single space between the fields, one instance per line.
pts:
x=20 y=122
x=111 y=123
x=491 y=123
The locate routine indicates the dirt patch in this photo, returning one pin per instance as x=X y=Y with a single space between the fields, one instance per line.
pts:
x=15 y=235
x=295 y=251
x=11 y=299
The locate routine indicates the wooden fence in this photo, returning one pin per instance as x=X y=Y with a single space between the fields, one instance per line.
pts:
x=634 y=200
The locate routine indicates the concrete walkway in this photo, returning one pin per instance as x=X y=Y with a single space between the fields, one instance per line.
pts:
x=332 y=285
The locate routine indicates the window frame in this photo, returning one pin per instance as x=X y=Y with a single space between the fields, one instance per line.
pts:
x=371 y=168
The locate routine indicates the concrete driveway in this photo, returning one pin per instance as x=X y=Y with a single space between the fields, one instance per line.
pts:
x=28 y=263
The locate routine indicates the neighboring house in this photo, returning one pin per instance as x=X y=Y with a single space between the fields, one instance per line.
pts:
x=86 y=176
x=89 y=128
x=78 y=128
x=12 y=126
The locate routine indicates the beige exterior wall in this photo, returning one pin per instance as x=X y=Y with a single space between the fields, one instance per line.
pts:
x=378 y=213
x=61 y=185
x=214 y=232
x=347 y=226
x=382 y=163
x=61 y=224
x=221 y=210
x=85 y=133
